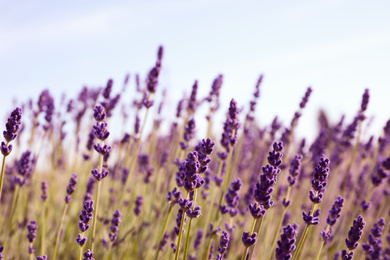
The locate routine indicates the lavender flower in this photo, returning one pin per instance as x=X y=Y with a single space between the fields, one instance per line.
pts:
x=365 y=99
x=71 y=187
x=334 y=213
x=152 y=80
x=286 y=244
x=86 y=216
x=1 y=252
x=88 y=255
x=31 y=235
x=12 y=126
x=319 y=182
x=294 y=169
x=232 y=198
x=189 y=132
x=263 y=189
x=223 y=243
x=25 y=164
x=373 y=248
x=42 y=257
x=44 y=187
x=115 y=221
x=305 y=98
x=249 y=240
x=192 y=102
x=198 y=239
x=138 y=205
x=354 y=235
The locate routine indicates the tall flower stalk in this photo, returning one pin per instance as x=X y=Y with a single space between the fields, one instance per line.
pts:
x=12 y=126
x=319 y=182
x=101 y=133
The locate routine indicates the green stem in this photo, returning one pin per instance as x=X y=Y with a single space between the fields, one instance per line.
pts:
x=305 y=232
x=95 y=216
x=189 y=227
x=277 y=233
x=179 y=238
x=59 y=231
x=109 y=252
x=352 y=159
x=13 y=205
x=250 y=233
x=43 y=228
x=322 y=244
x=225 y=180
x=258 y=223
x=163 y=229
x=2 y=175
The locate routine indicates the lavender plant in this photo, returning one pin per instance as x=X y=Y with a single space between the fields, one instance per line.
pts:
x=225 y=204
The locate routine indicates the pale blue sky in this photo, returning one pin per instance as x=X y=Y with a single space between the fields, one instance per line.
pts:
x=337 y=47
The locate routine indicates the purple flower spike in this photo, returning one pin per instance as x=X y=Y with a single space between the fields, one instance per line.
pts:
x=198 y=239
x=115 y=221
x=99 y=175
x=12 y=126
x=319 y=182
x=81 y=241
x=86 y=216
x=71 y=187
x=25 y=164
x=31 y=235
x=173 y=196
x=305 y=98
x=223 y=243
x=365 y=99
x=1 y=252
x=138 y=205
x=334 y=213
x=100 y=131
x=99 y=114
x=249 y=240
x=152 y=80
x=355 y=233
x=194 y=213
x=88 y=255
x=286 y=244
x=42 y=257
x=44 y=187
x=374 y=246
x=294 y=169
x=257 y=211
x=103 y=150
x=311 y=219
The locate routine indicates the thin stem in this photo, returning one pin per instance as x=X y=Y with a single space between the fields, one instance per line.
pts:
x=179 y=238
x=95 y=216
x=225 y=181
x=43 y=228
x=250 y=233
x=352 y=159
x=59 y=231
x=189 y=227
x=322 y=244
x=109 y=252
x=277 y=233
x=163 y=229
x=12 y=211
x=305 y=232
x=2 y=175
x=258 y=223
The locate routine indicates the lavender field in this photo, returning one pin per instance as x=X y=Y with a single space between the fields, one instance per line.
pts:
x=78 y=183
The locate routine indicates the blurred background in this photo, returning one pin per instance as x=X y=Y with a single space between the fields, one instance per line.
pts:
x=338 y=47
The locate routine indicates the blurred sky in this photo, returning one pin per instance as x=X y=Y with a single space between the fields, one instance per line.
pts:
x=337 y=47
